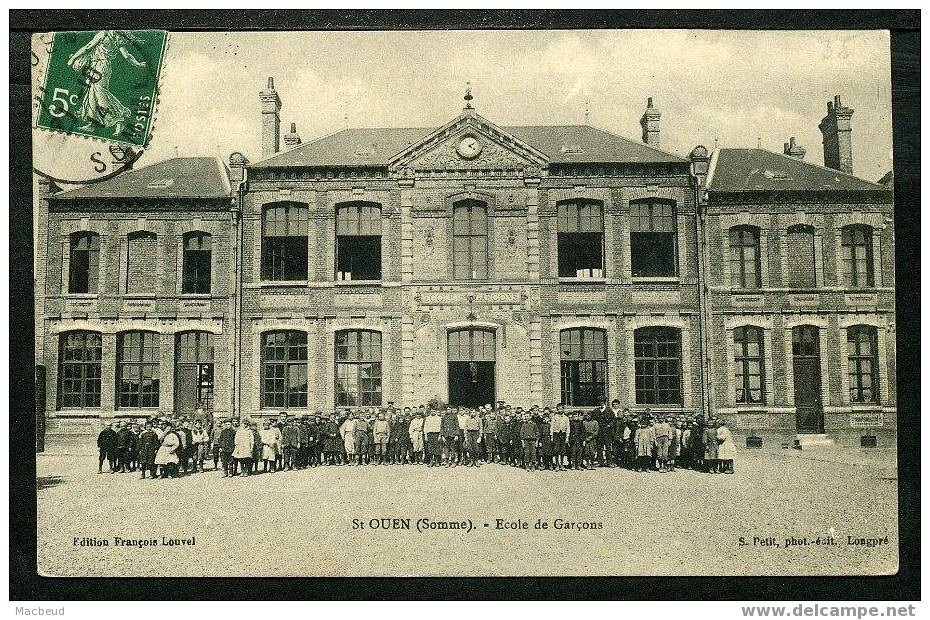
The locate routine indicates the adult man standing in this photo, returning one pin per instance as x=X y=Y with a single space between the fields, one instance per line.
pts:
x=381 y=431
x=227 y=445
x=148 y=448
x=290 y=437
x=472 y=437
x=432 y=429
x=449 y=429
x=529 y=435
x=347 y=431
x=123 y=445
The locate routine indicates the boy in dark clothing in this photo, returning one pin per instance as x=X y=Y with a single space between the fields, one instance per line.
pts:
x=545 y=440
x=449 y=430
x=227 y=444
x=503 y=439
x=529 y=435
x=576 y=437
x=290 y=438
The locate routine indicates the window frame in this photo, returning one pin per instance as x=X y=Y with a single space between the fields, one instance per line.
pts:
x=855 y=360
x=92 y=261
x=83 y=374
x=743 y=360
x=285 y=366
x=203 y=362
x=275 y=248
x=471 y=238
x=347 y=233
x=574 y=391
x=650 y=336
x=738 y=250
x=850 y=261
x=146 y=358
x=196 y=279
x=348 y=373
x=652 y=221
x=575 y=227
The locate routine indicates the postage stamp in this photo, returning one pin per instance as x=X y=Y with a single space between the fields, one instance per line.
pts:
x=103 y=84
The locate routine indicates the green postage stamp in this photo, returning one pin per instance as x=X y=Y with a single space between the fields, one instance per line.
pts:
x=103 y=84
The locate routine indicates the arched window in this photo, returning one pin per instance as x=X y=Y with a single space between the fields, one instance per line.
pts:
x=138 y=370
x=653 y=238
x=84 y=262
x=141 y=257
x=749 y=365
x=358 y=368
x=79 y=370
x=470 y=240
x=801 y=262
x=857 y=256
x=358 y=241
x=197 y=263
x=194 y=372
x=657 y=353
x=284 y=241
x=862 y=349
x=584 y=365
x=745 y=271
x=284 y=369
x=581 y=239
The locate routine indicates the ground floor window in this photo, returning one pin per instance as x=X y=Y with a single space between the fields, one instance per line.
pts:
x=583 y=366
x=358 y=368
x=138 y=369
x=748 y=349
x=79 y=370
x=194 y=372
x=657 y=352
x=284 y=369
x=862 y=348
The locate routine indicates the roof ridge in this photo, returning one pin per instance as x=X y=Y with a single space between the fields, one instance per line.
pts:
x=812 y=164
x=300 y=146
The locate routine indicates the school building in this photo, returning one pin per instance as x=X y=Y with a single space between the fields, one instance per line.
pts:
x=472 y=263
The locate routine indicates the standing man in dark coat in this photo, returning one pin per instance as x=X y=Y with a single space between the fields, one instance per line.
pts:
x=123 y=446
x=148 y=448
x=575 y=441
x=290 y=438
x=601 y=415
x=227 y=444
x=449 y=431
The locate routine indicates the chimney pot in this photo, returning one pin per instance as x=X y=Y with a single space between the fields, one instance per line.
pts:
x=270 y=83
x=836 y=128
x=650 y=124
x=271 y=119
x=792 y=149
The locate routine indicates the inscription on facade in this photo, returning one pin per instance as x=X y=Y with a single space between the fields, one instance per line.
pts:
x=805 y=300
x=461 y=298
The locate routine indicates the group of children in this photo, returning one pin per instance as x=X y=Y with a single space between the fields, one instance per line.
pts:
x=534 y=439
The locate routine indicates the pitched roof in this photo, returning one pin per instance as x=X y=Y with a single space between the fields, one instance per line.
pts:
x=180 y=177
x=758 y=170
x=376 y=146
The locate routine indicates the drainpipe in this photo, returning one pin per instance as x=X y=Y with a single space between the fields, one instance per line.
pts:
x=237 y=296
x=699 y=171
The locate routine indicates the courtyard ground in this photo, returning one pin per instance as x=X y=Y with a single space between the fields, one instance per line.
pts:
x=319 y=521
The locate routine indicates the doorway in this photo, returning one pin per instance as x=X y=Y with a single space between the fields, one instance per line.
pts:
x=471 y=357
x=805 y=349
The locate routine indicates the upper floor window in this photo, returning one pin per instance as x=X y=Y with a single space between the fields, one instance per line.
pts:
x=584 y=366
x=141 y=257
x=138 y=369
x=358 y=241
x=470 y=240
x=744 y=257
x=857 y=256
x=84 y=262
x=197 y=260
x=79 y=370
x=581 y=239
x=284 y=241
x=358 y=368
x=653 y=238
x=284 y=369
x=748 y=345
x=862 y=348
x=657 y=353
x=801 y=261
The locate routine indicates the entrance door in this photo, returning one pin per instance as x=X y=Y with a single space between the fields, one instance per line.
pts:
x=805 y=348
x=471 y=367
x=186 y=388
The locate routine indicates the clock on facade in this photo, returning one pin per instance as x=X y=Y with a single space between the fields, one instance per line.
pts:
x=469 y=147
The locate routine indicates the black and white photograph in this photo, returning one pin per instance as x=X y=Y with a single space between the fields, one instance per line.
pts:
x=465 y=303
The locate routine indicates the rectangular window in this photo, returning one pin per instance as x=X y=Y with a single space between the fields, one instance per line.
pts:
x=284 y=242
x=358 y=368
x=470 y=241
x=141 y=272
x=581 y=240
x=194 y=376
x=862 y=348
x=748 y=362
x=197 y=263
x=653 y=239
x=584 y=366
x=79 y=370
x=358 y=241
x=138 y=370
x=745 y=257
x=657 y=353
x=857 y=257
x=284 y=369
x=84 y=263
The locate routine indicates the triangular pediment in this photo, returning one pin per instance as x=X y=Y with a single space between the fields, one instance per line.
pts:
x=468 y=142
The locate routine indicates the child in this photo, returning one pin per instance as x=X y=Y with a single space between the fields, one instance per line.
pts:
x=726 y=450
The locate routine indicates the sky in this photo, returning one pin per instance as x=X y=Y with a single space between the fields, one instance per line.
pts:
x=736 y=88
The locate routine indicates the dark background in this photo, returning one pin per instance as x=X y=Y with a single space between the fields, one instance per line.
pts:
x=26 y=584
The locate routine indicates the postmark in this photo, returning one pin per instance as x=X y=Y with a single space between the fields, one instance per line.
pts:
x=103 y=84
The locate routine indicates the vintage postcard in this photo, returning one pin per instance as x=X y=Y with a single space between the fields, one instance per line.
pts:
x=464 y=303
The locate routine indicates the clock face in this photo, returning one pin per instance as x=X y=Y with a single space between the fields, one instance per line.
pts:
x=469 y=147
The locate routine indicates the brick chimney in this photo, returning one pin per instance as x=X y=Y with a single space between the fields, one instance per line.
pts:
x=271 y=119
x=292 y=139
x=837 y=136
x=650 y=124
x=794 y=150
